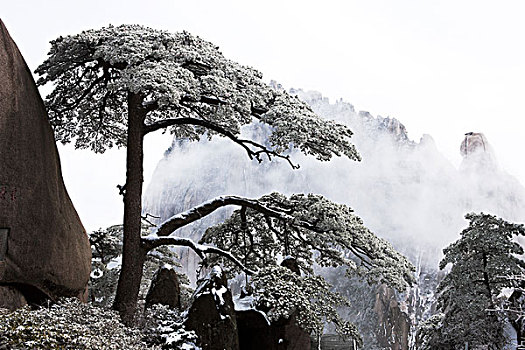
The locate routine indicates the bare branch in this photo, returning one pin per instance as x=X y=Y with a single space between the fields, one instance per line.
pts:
x=148 y=215
x=362 y=257
x=121 y=189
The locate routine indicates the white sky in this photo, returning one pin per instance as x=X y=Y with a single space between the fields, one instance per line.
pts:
x=441 y=67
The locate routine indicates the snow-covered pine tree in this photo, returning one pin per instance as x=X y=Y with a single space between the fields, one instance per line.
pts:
x=115 y=85
x=315 y=231
x=484 y=261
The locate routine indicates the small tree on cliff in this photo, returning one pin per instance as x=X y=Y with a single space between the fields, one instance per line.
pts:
x=484 y=261
x=115 y=85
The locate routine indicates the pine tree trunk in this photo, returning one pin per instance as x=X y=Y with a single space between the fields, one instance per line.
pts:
x=133 y=255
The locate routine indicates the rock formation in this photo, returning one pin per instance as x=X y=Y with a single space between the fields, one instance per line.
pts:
x=472 y=143
x=477 y=153
x=291 y=264
x=45 y=252
x=394 y=325
x=165 y=288
x=212 y=314
x=11 y=298
x=256 y=334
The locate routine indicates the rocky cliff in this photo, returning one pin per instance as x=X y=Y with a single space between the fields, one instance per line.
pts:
x=44 y=250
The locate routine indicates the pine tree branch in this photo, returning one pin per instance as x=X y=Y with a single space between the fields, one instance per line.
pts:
x=255 y=150
x=153 y=241
x=180 y=220
x=70 y=106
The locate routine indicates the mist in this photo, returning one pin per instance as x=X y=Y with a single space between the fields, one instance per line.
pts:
x=405 y=191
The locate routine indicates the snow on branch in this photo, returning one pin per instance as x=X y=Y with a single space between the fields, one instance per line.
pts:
x=161 y=236
x=313 y=230
x=153 y=241
x=206 y=208
x=299 y=225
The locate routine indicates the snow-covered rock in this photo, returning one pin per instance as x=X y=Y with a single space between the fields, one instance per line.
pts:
x=212 y=314
x=164 y=288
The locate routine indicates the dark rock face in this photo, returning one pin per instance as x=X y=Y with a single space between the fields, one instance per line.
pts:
x=212 y=314
x=164 y=289
x=45 y=250
x=394 y=324
x=256 y=334
x=11 y=298
x=290 y=336
x=255 y=331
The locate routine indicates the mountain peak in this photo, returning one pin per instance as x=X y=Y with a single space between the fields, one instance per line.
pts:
x=394 y=127
x=473 y=142
x=477 y=153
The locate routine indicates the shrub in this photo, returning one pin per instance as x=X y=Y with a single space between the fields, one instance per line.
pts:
x=68 y=324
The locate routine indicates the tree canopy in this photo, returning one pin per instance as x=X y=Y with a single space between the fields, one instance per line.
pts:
x=184 y=82
x=308 y=229
x=311 y=229
x=308 y=299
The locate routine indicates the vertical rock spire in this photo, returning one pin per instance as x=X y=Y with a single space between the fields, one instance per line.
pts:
x=472 y=143
x=477 y=153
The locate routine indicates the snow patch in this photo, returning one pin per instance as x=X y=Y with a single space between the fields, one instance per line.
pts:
x=506 y=293
x=115 y=262
x=217 y=293
x=96 y=273
x=216 y=271
x=167 y=267
x=247 y=303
